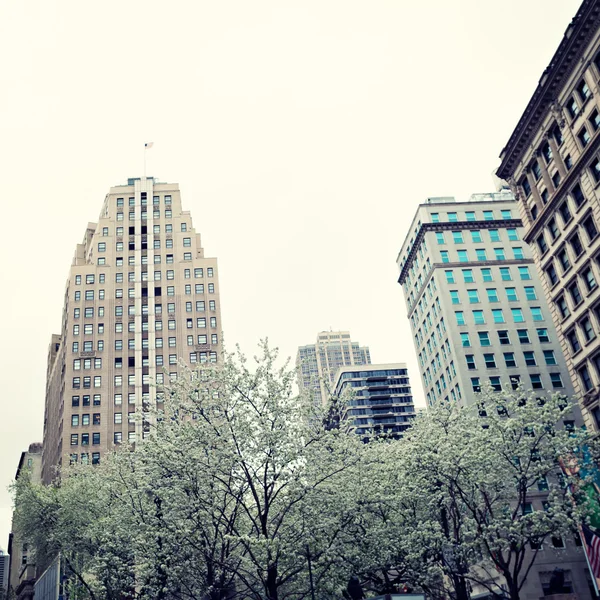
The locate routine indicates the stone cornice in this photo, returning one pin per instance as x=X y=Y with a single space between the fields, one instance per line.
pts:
x=569 y=53
x=454 y=226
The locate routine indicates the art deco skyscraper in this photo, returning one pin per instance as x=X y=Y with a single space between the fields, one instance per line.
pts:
x=318 y=363
x=140 y=296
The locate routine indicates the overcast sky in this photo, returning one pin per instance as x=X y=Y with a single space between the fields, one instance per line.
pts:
x=303 y=135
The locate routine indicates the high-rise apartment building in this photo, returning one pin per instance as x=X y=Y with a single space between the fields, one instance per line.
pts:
x=4 y=568
x=140 y=297
x=381 y=401
x=479 y=316
x=474 y=300
x=552 y=163
x=318 y=363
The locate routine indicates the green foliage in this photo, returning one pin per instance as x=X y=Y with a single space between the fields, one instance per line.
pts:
x=240 y=491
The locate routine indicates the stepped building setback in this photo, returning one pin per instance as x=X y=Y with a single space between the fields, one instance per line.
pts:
x=318 y=363
x=552 y=163
x=140 y=297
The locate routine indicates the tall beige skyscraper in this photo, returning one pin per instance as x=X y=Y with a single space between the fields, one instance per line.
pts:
x=318 y=363
x=140 y=297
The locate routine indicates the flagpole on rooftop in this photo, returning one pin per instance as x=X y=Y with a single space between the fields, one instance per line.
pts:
x=147 y=146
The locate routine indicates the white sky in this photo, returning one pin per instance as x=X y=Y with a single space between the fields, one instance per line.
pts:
x=303 y=135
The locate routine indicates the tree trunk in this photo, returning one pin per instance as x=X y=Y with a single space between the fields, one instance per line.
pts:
x=271 y=584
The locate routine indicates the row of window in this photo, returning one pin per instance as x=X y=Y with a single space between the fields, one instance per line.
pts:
x=470 y=215
x=187 y=274
x=144 y=200
x=504 y=337
x=492 y=295
x=119 y=231
x=515 y=380
x=481 y=254
x=85 y=458
x=478 y=316
x=489 y=359
x=476 y=237
x=85 y=400
x=156 y=244
x=144 y=215
x=158 y=326
x=85 y=439
x=85 y=419
x=88 y=346
x=585 y=328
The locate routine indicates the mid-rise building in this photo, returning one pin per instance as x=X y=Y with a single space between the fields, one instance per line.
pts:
x=318 y=363
x=22 y=562
x=140 y=297
x=474 y=300
x=552 y=163
x=380 y=400
x=4 y=577
x=479 y=316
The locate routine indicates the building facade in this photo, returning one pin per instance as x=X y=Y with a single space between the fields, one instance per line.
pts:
x=381 y=399
x=22 y=563
x=552 y=163
x=479 y=316
x=140 y=297
x=318 y=363
x=474 y=301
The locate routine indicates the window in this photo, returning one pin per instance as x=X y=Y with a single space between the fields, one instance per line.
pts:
x=553 y=229
x=590 y=227
x=465 y=341
x=492 y=294
x=550 y=358
x=490 y=361
x=572 y=108
x=509 y=359
x=454 y=297
x=590 y=280
x=543 y=335
x=563 y=307
x=484 y=338
x=517 y=315
x=575 y=293
x=499 y=254
x=498 y=315
x=488 y=215
x=476 y=236
x=556 y=380
x=486 y=274
x=576 y=244
x=526 y=187
x=587 y=329
x=505 y=274
x=480 y=253
x=511 y=294
x=473 y=296
x=462 y=257
x=470 y=362
x=495 y=383
x=450 y=276
x=536 y=382
x=536 y=313
x=584 y=137
x=585 y=377
x=524 y=273
x=541 y=243
x=552 y=274
x=529 y=359
x=503 y=337
x=523 y=336
x=460 y=317
x=478 y=317
x=444 y=256
x=565 y=212
x=476 y=385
